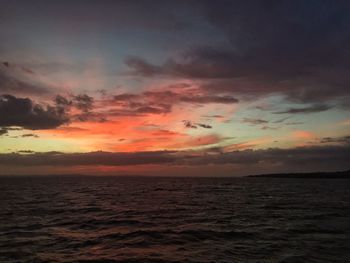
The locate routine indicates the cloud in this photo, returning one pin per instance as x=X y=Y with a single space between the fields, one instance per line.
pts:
x=83 y=106
x=62 y=101
x=30 y=135
x=254 y=121
x=175 y=97
x=314 y=158
x=304 y=110
x=195 y=125
x=158 y=102
x=166 y=133
x=209 y=99
x=345 y=122
x=161 y=102
x=303 y=135
x=341 y=140
x=201 y=141
x=162 y=108
x=261 y=123
x=197 y=67
x=91 y=158
x=125 y=97
x=22 y=68
x=141 y=67
x=205 y=126
x=215 y=116
x=140 y=104
x=294 y=159
x=297 y=49
x=25 y=151
x=189 y=124
x=3 y=131
x=23 y=112
x=83 y=102
x=294 y=123
x=10 y=82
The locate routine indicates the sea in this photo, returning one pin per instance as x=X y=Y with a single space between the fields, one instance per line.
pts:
x=163 y=219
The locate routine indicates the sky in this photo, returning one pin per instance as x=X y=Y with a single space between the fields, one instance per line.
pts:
x=174 y=88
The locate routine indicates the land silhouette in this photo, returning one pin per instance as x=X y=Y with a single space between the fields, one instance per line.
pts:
x=330 y=175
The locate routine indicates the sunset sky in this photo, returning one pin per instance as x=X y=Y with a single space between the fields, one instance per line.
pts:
x=181 y=88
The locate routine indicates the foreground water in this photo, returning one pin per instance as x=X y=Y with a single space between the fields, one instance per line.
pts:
x=113 y=219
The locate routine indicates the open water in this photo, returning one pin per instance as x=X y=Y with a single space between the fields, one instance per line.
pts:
x=136 y=219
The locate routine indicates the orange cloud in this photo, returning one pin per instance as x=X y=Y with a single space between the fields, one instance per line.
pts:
x=196 y=142
x=247 y=145
x=303 y=135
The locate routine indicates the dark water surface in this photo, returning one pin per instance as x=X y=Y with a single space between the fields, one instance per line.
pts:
x=113 y=219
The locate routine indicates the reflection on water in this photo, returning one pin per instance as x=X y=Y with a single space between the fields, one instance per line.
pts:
x=111 y=219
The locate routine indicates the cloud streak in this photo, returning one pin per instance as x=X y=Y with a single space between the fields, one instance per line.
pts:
x=305 y=110
x=161 y=102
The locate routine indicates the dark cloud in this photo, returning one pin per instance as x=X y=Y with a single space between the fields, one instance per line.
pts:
x=209 y=99
x=197 y=67
x=294 y=123
x=125 y=97
x=266 y=127
x=141 y=67
x=188 y=97
x=160 y=102
x=145 y=103
x=205 y=126
x=195 y=125
x=161 y=108
x=285 y=122
x=281 y=120
x=341 y=140
x=261 y=123
x=254 y=121
x=295 y=48
x=91 y=158
x=3 y=131
x=189 y=124
x=30 y=135
x=23 y=112
x=83 y=102
x=215 y=116
x=62 y=101
x=313 y=158
x=310 y=109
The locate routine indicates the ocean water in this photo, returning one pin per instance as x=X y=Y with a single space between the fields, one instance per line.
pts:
x=135 y=219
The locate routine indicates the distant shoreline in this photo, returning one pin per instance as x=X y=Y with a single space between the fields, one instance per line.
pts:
x=311 y=175
x=330 y=175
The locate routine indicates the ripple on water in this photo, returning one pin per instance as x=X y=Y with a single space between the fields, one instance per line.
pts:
x=174 y=220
